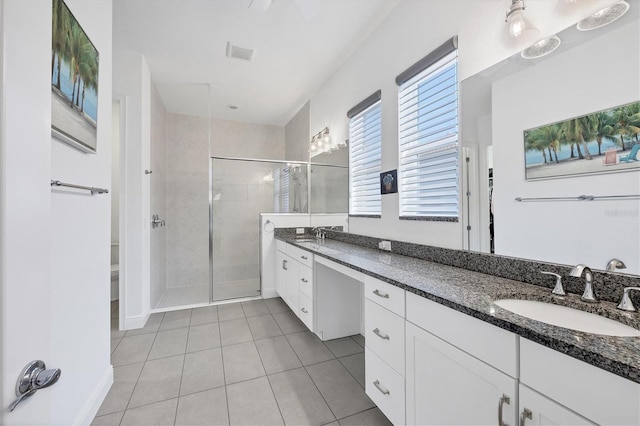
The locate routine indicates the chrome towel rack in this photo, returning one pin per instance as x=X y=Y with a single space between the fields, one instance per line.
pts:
x=579 y=198
x=93 y=189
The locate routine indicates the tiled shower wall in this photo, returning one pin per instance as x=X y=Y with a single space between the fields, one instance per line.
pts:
x=187 y=188
x=187 y=202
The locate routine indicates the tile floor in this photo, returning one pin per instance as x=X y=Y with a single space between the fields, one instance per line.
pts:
x=249 y=363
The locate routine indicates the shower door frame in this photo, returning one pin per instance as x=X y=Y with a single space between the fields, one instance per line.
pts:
x=255 y=160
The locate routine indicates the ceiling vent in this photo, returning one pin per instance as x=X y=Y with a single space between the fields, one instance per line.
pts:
x=239 y=52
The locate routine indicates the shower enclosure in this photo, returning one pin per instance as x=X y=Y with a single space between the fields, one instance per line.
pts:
x=241 y=189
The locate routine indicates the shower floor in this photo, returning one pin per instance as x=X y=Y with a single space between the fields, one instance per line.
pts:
x=199 y=294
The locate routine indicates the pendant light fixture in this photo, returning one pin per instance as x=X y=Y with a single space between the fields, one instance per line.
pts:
x=519 y=26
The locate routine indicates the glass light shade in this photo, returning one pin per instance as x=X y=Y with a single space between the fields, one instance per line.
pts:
x=519 y=26
x=603 y=16
x=541 y=48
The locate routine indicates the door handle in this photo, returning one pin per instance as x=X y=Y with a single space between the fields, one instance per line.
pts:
x=33 y=378
x=504 y=399
x=526 y=414
x=382 y=389
x=376 y=331
x=380 y=294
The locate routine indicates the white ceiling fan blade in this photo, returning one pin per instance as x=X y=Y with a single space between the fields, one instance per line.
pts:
x=308 y=8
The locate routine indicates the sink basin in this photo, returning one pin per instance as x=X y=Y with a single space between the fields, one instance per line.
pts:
x=306 y=240
x=563 y=316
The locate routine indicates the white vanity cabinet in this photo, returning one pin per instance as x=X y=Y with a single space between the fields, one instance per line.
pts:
x=456 y=368
x=384 y=347
x=538 y=410
x=555 y=386
x=294 y=280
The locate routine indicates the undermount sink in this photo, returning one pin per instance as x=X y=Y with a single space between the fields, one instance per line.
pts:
x=563 y=316
x=306 y=240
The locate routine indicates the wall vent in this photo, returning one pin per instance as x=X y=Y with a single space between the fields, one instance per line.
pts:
x=239 y=52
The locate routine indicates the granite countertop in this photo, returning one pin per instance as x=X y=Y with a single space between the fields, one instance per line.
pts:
x=473 y=293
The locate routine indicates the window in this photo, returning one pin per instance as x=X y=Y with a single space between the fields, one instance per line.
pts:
x=281 y=189
x=428 y=137
x=365 y=154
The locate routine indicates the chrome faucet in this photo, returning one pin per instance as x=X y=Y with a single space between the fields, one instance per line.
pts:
x=614 y=264
x=319 y=230
x=588 y=295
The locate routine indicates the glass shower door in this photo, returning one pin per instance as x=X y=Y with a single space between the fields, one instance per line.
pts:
x=240 y=191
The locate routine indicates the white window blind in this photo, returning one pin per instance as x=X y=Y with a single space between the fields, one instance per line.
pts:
x=428 y=138
x=285 y=189
x=365 y=153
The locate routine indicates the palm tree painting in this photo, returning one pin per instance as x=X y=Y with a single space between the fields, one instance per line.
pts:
x=602 y=142
x=74 y=81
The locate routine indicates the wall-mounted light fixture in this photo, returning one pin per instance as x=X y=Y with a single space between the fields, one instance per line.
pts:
x=519 y=26
x=322 y=142
x=604 y=16
x=541 y=48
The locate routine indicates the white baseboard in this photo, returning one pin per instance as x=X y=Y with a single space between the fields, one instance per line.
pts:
x=131 y=323
x=268 y=293
x=86 y=415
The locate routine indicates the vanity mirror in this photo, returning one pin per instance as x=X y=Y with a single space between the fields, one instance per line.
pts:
x=589 y=71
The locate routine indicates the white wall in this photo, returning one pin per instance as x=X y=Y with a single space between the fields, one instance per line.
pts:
x=296 y=136
x=566 y=232
x=410 y=32
x=132 y=82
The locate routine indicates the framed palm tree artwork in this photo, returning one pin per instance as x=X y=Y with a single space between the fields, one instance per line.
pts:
x=74 y=82
x=602 y=142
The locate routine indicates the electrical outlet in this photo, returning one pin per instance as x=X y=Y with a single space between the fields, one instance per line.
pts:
x=384 y=245
x=299 y=230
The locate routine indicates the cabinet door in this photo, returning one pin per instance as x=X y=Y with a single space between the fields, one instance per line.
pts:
x=281 y=274
x=446 y=386
x=293 y=284
x=538 y=410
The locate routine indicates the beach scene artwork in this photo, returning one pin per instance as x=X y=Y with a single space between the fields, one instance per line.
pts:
x=602 y=142
x=74 y=82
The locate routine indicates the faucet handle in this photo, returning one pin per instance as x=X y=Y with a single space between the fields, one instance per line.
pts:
x=614 y=264
x=626 y=304
x=558 y=290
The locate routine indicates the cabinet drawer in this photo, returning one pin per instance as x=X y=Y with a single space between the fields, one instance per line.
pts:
x=385 y=387
x=306 y=311
x=384 y=294
x=302 y=256
x=384 y=335
x=306 y=281
x=488 y=343
x=579 y=386
x=281 y=246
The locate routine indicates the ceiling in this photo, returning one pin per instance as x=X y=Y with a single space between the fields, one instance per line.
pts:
x=298 y=45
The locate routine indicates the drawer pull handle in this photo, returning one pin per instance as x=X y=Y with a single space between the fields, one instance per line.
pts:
x=380 y=294
x=526 y=414
x=304 y=257
x=284 y=265
x=304 y=310
x=381 y=388
x=304 y=280
x=376 y=331
x=503 y=400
